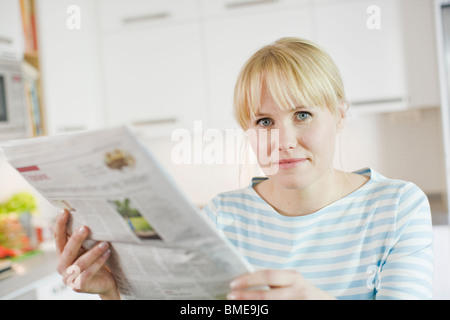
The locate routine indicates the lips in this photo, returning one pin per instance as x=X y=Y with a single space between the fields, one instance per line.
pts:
x=290 y=163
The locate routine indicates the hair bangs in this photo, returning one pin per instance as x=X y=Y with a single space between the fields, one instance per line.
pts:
x=293 y=73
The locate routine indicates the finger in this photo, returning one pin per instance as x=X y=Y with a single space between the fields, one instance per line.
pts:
x=272 y=278
x=60 y=231
x=89 y=272
x=85 y=260
x=71 y=249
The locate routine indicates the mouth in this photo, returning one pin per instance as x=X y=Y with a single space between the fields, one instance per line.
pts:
x=291 y=163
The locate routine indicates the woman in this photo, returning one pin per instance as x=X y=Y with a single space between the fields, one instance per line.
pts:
x=311 y=231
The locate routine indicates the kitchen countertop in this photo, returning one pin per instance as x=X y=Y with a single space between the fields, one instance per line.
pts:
x=28 y=272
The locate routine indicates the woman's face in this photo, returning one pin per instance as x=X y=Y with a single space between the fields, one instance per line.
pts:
x=294 y=148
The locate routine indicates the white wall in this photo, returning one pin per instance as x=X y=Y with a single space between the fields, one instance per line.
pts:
x=201 y=182
x=405 y=145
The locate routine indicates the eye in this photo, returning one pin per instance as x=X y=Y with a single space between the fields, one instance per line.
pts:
x=264 y=122
x=302 y=115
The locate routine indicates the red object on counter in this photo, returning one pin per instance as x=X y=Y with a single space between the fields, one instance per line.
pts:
x=7 y=252
x=39 y=235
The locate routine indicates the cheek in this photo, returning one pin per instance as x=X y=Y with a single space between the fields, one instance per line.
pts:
x=254 y=145
x=264 y=144
x=320 y=140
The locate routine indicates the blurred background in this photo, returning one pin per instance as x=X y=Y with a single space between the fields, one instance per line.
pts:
x=159 y=65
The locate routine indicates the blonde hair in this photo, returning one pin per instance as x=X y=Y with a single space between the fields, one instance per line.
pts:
x=294 y=72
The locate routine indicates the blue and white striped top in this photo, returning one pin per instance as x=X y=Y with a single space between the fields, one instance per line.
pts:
x=375 y=243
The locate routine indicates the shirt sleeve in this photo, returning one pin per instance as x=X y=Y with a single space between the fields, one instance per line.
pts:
x=210 y=211
x=407 y=272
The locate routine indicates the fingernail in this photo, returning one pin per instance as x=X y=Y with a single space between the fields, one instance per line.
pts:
x=82 y=230
x=231 y=296
x=106 y=253
x=103 y=245
x=234 y=284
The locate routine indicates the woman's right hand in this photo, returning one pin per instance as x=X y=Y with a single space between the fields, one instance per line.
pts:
x=83 y=271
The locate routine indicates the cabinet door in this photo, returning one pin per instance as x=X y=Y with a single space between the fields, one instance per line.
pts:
x=217 y=8
x=369 y=59
x=231 y=40
x=134 y=14
x=11 y=34
x=69 y=66
x=154 y=76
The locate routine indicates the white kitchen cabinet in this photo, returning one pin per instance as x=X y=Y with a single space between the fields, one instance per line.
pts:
x=69 y=65
x=116 y=15
x=166 y=63
x=223 y=8
x=388 y=68
x=232 y=38
x=154 y=76
x=11 y=34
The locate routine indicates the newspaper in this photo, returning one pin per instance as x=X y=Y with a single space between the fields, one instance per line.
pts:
x=162 y=247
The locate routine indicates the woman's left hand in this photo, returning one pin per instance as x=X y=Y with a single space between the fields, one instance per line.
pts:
x=276 y=285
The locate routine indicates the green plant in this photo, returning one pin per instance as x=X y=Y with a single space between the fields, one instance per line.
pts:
x=20 y=202
x=124 y=208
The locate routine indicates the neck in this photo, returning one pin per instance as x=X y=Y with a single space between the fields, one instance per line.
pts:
x=303 y=201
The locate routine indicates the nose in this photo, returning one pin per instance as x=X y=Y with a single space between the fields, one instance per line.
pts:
x=287 y=138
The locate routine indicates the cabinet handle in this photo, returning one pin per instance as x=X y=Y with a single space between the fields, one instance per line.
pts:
x=5 y=40
x=240 y=4
x=67 y=129
x=154 y=122
x=376 y=101
x=147 y=17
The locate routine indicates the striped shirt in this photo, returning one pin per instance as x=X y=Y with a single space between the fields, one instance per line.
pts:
x=375 y=243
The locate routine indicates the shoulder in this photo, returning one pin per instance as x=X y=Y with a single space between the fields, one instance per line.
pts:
x=401 y=196
x=244 y=195
x=380 y=184
x=242 y=200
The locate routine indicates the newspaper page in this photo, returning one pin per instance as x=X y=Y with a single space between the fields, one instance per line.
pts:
x=162 y=247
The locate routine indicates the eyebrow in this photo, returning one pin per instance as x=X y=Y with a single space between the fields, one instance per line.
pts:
x=259 y=114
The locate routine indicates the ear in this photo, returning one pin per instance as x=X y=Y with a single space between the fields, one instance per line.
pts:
x=341 y=115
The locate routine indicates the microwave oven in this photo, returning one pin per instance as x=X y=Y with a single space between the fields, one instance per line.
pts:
x=13 y=105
